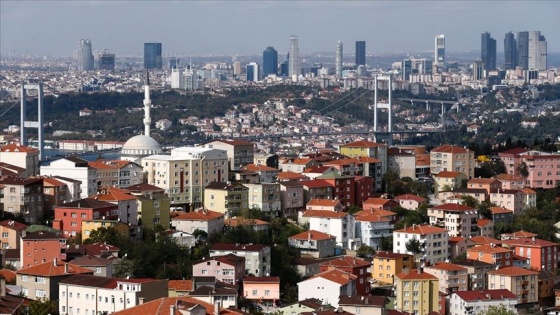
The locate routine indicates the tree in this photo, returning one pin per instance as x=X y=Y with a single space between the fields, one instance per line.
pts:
x=365 y=251
x=413 y=246
x=43 y=306
x=496 y=310
x=523 y=170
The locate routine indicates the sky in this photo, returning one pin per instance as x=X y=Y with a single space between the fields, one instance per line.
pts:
x=53 y=28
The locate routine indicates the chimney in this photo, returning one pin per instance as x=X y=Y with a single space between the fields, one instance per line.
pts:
x=65 y=268
x=217 y=308
x=141 y=300
x=172 y=309
x=55 y=262
x=419 y=271
x=533 y=240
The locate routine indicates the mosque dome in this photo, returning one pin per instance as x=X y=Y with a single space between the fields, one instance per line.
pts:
x=140 y=146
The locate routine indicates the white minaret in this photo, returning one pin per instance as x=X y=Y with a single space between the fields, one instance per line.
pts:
x=147 y=105
x=338 y=61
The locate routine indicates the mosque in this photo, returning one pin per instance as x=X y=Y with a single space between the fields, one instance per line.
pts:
x=141 y=146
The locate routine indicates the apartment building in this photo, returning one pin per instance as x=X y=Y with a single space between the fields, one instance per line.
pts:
x=408 y=161
x=539 y=169
x=23 y=196
x=339 y=224
x=41 y=247
x=228 y=268
x=316 y=189
x=267 y=174
x=452 y=277
x=257 y=257
x=264 y=291
x=203 y=220
x=452 y=158
x=478 y=301
x=433 y=240
x=265 y=197
x=153 y=205
x=492 y=254
x=416 y=292
x=291 y=197
x=477 y=271
x=542 y=255
x=352 y=265
x=513 y=200
x=25 y=157
x=372 y=226
x=75 y=168
x=510 y=181
x=521 y=282
x=385 y=265
x=117 y=173
x=448 y=180
x=226 y=197
x=11 y=232
x=239 y=152
x=313 y=243
x=409 y=201
x=327 y=286
x=68 y=217
x=184 y=174
x=458 y=219
x=488 y=184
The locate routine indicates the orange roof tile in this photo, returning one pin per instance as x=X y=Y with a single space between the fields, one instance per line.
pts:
x=422 y=229
x=312 y=235
x=199 y=215
x=528 y=191
x=481 y=181
x=49 y=269
x=180 y=285
x=377 y=201
x=453 y=207
x=324 y=202
x=290 y=175
x=336 y=276
x=484 y=240
x=113 y=194
x=346 y=261
x=448 y=174
x=243 y=221
x=483 y=222
x=456 y=239
x=17 y=148
x=447 y=267
x=410 y=197
x=162 y=306
x=449 y=149
x=367 y=159
x=509 y=177
x=415 y=275
x=325 y=214
x=489 y=249
x=499 y=210
x=513 y=272
x=363 y=144
x=259 y=168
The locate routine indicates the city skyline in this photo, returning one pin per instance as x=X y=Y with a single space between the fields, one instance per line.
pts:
x=103 y=22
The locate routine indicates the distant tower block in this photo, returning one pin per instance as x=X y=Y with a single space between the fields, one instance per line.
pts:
x=32 y=124
x=388 y=106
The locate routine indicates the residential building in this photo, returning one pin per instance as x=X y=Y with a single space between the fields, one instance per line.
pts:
x=448 y=180
x=452 y=277
x=510 y=181
x=458 y=246
x=228 y=268
x=77 y=169
x=183 y=239
x=416 y=292
x=296 y=165
x=529 y=198
x=409 y=161
x=328 y=286
x=42 y=280
x=488 y=184
x=380 y=204
x=267 y=174
x=88 y=226
x=184 y=304
x=368 y=149
x=184 y=174
x=543 y=255
x=314 y=243
x=316 y=189
x=41 y=247
x=265 y=197
x=87 y=294
x=291 y=197
x=364 y=305
x=485 y=227
x=434 y=241
x=23 y=196
x=257 y=257
x=339 y=224
x=221 y=294
x=343 y=187
x=55 y=193
x=521 y=282
x=101 y=267
x=74 y=187
x=202 y=220
x=153 y=205
x=409 y=201
x=513 y=200
x=352 y=265
x=501 y=214
x=333 y=205
x=25 y=157
x=452 y=158
x=385 y=265
x=226 y=197
x=364 y=188
x=307 y=266
x=11 y=232
x=117 y=173
x=459 y=220
x=372 y=226
x=492 y=254
x=264 y=291
x=477 y=271
x=456 y=195
x=478 y=301
x=253 y=224
x=239 y=152
x=536 y=167
x=178 y=288
x=68 y=217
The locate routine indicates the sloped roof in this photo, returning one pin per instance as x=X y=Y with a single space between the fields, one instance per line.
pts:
x=447 y=267
x=449 y=174
x=486 y=295
x=415 y=275
x=202 y=215
x=88 y=203
x=453 y=207
x=513 y=272
x=325 y=214
x=324 y=202
x=336 y=276
x=449 y=149
x=49 y=269
x=410 y=197
x=422 y=229
x=346 y=262
x=363 y=144
x=14 y=225
x=312 y=235
x=180 y=285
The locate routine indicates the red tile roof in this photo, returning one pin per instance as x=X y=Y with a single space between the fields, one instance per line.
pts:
x=324 y=202
x=483 y=222
x=259 y=168
x=390 y=255
x=422 y=229
x=448 y=174
x=336 y=276
x=499 y=210
x=17 y=148
x=453 y=207
x=528 y=242
x=312 y=235
x=113 y=194
x=50 y=269
x=316 y=183
x=415 y=275
x=363 y=144
x=325 y=214
x=449 y=149
x=485 y=295
x=261 y=280
x=513 y=272
x=290 y=175
x=485 y=240
x=199 y=215
x=410 y=197
x=447 y=267
x=14 y=225
x=162 y=306
x=180 y=285
x=235 y=221
x=346 y=262
x=482 y=181
x=489 y=249
x=509 y=177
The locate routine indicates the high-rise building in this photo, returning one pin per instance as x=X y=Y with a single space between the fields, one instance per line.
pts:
x=488 y=51
x=270 y=61
x=294 y=65
x=360 y=53
x=84 y=55
x=338 y=60
x=236 y=68
x=478 y=69
x=174 y=62
x=510 y=48
x=153 y=56
x=537 y=51
x=406 y=68
x=439 y=51
x=252 y=71
x=522 y=49
x=177 y=78
x=106 y=61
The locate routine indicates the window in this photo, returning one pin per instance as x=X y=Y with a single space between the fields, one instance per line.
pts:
x=40 y=280
x=204 y=272
x=266 y=292
x=97 y=269
x=254 y=292
x=40 y=293
x=24 y=278
x=4 y=234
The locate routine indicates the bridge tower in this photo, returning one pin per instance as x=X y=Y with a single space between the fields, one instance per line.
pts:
x=386 y=135
x=32 y=124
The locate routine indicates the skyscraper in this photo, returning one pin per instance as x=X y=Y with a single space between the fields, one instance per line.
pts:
x=360 y=53
x=488 y=51
x=478 y=69
x=510 y=48
x=537 y=51
x=84 y=55
x=252 y=71
x=153 y=56
x=294 y=65
x=106 y=61
x=522 y=49
x=270 y=61
x=338 y=60
x=439 y=51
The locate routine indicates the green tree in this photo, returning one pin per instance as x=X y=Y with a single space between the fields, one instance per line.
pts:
x=365 y=251
x=43 y=306
x=523 y=170
x=413 y=246
x=496 y=310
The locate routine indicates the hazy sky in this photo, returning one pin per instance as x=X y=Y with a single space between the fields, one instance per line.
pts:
x=246 y=27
